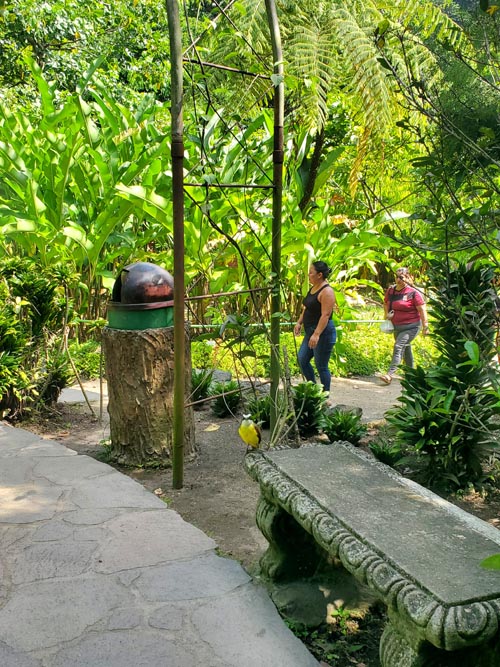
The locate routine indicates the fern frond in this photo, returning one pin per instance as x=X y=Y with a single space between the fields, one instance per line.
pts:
x=369 y=80
x=253 y=26
x=429 y=20
x=311 y=58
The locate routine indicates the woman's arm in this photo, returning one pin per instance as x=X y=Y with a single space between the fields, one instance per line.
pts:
x=386 y=304
x=328 y=303
x=422 y=311
x=298 y=326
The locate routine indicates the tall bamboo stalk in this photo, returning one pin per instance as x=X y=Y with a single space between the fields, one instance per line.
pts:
x=174 y=31
x=279 y=111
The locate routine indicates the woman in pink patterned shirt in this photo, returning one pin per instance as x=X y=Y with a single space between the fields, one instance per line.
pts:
x=404 y=305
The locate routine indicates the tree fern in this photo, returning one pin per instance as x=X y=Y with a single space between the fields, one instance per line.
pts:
x=335 y=50
x=336 y=44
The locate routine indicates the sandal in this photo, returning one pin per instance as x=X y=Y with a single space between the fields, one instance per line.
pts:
x=386 y=379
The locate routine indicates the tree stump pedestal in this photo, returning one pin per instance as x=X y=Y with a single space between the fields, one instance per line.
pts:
x=140 y=376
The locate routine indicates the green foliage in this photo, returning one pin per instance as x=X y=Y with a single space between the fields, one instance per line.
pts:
x=492 y=562
x=106 y=453
x=86 y=181
x=363 y=350
x=113 y=204
x=226 y=404
x=57 y=375
x=457 y=173
x=87 y=358
x=445 y=414
x=343 y=618
x=16 y=386
x=351 y=637
x=202 y=352
x=386 y=450
x=259 y=408
x=242 y=357
x=237 y=335
x=339 y=58
x=66 y=179
x=366 y=351
x=32 y=311
x=344 y=425
x=200 y=383
x=308 y=402
x=130 y=40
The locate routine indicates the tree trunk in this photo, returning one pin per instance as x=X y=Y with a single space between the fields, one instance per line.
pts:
x=140 y=375
x=319 y=142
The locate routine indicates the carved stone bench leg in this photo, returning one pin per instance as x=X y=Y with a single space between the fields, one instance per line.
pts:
x=399 y=649
x=292 y=552
x=395 y=650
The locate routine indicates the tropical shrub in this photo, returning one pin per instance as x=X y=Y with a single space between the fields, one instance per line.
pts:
x=202 y=353
x=200 y=383
x=57 y=375
x=446 y=410
x=86 y=358
x=33 y=309
x=69 y=184
x=309 y=401
x=228 y=398
x=259 y=408
x=385 y=450
x=15 y=385
x=344 y=425
x=129 y=39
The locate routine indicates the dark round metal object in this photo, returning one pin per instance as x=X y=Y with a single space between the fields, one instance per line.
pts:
x=143 y=283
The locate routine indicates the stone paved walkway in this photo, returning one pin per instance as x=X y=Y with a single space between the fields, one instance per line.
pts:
x=95 y=571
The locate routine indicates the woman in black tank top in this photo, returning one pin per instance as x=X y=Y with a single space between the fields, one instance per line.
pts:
x=320 y=334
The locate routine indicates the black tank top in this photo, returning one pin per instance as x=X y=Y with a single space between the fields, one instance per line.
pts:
x=312 y=312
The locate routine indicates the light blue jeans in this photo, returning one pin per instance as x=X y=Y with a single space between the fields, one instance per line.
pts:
x=321 y=354
x=403 y=336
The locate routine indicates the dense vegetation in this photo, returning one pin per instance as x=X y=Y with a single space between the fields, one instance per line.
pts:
x=391 y=157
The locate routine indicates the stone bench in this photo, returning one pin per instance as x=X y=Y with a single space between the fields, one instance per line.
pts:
x=418 y=553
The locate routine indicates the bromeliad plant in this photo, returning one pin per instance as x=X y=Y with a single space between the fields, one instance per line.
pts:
x=445 y=413
x=344 y=425
x=200 y=384
x=309 y=400
x=259 y=408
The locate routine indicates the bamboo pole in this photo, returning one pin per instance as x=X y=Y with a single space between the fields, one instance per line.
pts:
x=174 y=31
x=279 y=112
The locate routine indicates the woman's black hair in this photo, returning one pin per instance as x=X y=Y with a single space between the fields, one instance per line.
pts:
x=322 y=267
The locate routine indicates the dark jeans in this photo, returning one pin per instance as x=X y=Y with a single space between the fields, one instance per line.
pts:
x=321 y=354
x=403 y=336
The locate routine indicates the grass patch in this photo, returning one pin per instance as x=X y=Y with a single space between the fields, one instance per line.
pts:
x=361 y=349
